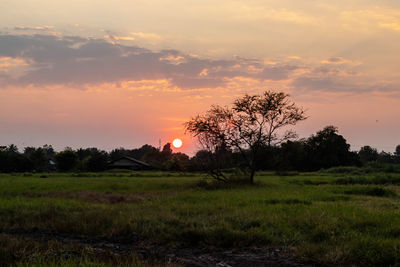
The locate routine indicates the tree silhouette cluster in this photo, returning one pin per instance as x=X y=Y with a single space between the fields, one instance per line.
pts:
x=322 y=150
x=247 y=136
x=43 y=159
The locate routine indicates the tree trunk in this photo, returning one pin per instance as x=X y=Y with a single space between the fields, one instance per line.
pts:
x=252 y=172
x=253 y=165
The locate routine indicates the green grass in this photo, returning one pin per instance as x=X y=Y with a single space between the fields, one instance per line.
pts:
x=323 y=218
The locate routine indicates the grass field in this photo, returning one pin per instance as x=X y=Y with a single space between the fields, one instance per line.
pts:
x=318 y=218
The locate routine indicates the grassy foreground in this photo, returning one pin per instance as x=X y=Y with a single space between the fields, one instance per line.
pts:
x=321 y=218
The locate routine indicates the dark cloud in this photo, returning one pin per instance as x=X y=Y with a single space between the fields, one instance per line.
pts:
x=335 y=59
x=341 y=84
x=340 y=78
x=76 y=60
x=320 y=84
x=277 y=72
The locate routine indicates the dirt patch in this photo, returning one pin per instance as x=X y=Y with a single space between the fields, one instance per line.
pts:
x=97 y=197
x=181 y=256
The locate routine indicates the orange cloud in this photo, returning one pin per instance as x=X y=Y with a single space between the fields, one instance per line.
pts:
x=7 y=62
x=151 y=37
x=173 y=59
x=371 y=19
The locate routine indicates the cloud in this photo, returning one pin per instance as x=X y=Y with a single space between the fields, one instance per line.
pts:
x=337 y=74
x=146 y=38
x=323 y=84
x=152 y=37
x=6 y=62
x=33 y=28
x=46 y=60
x=115 y=38
x=371 y=19
x=280 y=72
x=335 y=61
x=256 y=12
x=73 y=60
x=339 y=81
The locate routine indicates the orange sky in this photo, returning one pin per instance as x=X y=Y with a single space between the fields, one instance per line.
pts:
x=123 y=74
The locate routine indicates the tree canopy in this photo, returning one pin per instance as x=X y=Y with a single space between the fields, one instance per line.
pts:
x=251 y=123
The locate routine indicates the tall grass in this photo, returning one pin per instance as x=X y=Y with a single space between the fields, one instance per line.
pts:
x=319 y=218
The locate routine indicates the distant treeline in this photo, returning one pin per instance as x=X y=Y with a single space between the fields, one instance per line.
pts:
x=323 y=150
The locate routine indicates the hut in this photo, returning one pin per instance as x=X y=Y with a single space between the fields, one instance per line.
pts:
x=126 y=162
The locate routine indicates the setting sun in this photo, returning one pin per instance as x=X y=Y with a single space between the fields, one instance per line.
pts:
x=177 y=143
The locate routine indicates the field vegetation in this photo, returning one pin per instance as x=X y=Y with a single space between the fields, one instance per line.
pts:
x=333 y=217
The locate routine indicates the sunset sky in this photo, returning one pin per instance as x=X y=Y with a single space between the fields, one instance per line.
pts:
x=125 y=73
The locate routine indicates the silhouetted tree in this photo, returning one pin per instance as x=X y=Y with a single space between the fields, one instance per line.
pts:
x=167 y=149
x=178 y=162
x=12 y=149
x=97 y=161
x=48 y=149
x=84 y=153
x=385 y=157
x=13 y=161
x=151 y=155
x=368 y=154
x=292 y=156
x=250 y=124
x=397 y=154
x=166 y=153
x=397 y=151
x=328 y=149
x=201 y=160
x=38 y=157
x=66 y=160
x=118 y=153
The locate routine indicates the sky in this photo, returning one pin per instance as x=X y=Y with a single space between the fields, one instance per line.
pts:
x=127 y=73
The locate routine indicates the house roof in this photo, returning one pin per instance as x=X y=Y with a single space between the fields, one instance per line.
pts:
x=131 y=159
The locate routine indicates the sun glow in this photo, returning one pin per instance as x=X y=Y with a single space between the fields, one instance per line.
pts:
x=177 y=143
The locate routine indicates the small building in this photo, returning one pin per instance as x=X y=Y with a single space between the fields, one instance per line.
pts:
x=126 y=162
